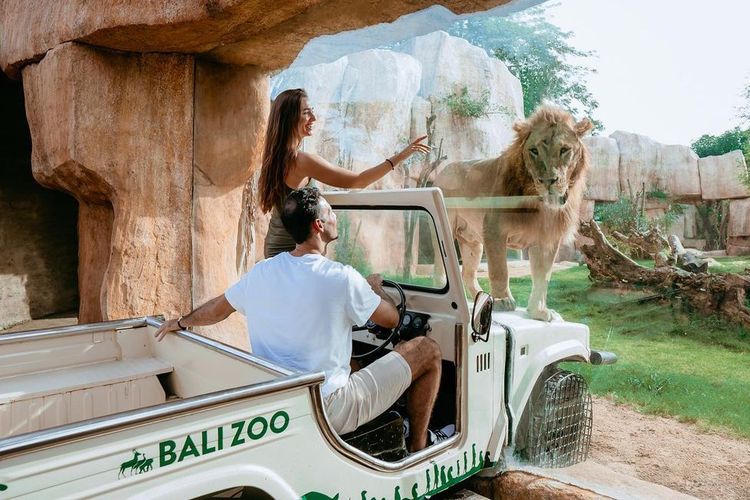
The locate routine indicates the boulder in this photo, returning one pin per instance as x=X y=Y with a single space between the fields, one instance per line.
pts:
x=739 y=218
x=738 y=246
x=678 y=166
x=360 y=124
x=605 y=166
x=118 y=135
x=450 y=64
x=684 y=225
x=265 y=33
x=672 y=169
x=720 y=176
x=522 y=485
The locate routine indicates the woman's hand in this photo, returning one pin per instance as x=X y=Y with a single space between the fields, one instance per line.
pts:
x=414 y=147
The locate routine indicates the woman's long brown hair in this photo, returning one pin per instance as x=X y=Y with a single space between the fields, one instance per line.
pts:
x=278 y=151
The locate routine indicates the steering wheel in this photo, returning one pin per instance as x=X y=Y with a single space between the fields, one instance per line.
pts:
x=379 y=331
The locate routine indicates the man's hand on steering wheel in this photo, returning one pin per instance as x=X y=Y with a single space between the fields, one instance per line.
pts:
x=375 y=281
x=388 y=317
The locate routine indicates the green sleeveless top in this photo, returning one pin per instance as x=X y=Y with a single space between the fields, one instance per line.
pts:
x=278 y=240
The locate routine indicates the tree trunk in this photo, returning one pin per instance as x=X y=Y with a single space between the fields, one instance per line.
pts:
x=723 y=294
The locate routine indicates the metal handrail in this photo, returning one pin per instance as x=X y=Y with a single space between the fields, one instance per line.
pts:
x=65 y=331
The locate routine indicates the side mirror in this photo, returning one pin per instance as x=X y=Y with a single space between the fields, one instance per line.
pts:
x=481 y=317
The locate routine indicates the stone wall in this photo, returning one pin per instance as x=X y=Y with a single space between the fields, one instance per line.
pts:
x=158 y=150
x=38 y=241
x=638 y=162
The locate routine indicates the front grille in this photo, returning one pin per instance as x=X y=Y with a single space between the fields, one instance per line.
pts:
x=559 y=433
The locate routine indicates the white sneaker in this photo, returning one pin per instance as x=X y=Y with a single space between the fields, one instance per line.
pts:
x=440 y=435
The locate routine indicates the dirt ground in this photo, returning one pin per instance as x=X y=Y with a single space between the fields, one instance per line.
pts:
x=670 y=453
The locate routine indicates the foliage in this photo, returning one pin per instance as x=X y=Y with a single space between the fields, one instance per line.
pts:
x=462 y=104
x=713 y=221
x=731 y=140
x=627 y=215
x=347 y=249
x=689 y=366
x=539 y=54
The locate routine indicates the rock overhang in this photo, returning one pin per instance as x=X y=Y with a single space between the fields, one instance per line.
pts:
x=264 y=33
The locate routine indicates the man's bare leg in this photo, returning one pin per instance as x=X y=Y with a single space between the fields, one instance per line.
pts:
x=424 y=358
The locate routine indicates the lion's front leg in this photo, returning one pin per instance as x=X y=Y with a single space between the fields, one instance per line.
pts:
x=541 y=259
x=496 y=247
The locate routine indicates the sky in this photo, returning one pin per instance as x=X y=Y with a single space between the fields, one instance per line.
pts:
x=669 y=69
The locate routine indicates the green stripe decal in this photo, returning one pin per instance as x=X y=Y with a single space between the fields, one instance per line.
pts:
x=437 y=478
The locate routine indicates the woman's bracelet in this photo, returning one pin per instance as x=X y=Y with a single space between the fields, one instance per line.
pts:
x=391 y=163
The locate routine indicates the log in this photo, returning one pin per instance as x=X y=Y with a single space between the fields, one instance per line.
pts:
x=722 y=294
x=689 y=260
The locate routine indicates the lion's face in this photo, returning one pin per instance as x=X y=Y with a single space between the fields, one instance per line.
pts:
x=551 y=153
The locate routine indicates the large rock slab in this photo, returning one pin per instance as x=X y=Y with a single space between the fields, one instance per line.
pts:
x=672 y=169
x=739 y=218
x=119 y=133
x=602 y=181
x=265 y=33
x=720 y=176
x=450 y=65
x=738 y=246
x=359 y=124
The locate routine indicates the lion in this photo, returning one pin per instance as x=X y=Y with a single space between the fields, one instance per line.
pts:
x=547 y=162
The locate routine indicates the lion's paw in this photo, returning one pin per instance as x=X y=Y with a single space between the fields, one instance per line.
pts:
x=545 y=315
x=504 y=304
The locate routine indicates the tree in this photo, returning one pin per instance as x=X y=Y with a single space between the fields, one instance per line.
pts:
x=731 y=140
x=538 y=53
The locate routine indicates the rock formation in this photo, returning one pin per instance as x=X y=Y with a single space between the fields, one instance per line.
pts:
x=669 y=168
x=720 y=176
x=605 y=166
x=156 y=144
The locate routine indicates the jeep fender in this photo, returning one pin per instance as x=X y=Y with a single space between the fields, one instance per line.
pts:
x=212 y=479
x=522 y=384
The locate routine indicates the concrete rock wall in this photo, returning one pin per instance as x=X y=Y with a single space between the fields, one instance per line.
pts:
x=720 y=176
x=158 y=150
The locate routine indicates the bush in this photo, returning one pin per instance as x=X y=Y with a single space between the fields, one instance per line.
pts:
x=462 y=104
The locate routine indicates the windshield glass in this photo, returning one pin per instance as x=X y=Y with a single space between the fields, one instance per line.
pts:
x=398 y=243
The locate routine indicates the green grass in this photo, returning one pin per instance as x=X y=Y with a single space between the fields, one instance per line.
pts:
x=670 y=362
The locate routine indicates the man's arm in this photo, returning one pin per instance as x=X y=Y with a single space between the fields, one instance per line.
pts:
x=211 y=312
x=386 y=314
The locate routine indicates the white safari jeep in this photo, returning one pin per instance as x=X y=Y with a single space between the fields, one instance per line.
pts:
x=102 y=410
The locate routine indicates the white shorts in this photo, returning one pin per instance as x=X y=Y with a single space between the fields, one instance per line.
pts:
x=368 y=393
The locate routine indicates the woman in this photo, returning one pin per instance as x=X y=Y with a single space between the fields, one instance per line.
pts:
x=285 y=168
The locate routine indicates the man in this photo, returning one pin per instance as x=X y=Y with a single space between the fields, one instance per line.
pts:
x=300 y=307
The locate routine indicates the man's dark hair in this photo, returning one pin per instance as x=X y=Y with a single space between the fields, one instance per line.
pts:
x=301 y=208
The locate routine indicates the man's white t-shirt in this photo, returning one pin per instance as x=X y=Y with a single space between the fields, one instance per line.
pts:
x=300 y=312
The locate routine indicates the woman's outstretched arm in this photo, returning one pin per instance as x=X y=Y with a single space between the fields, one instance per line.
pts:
x=310 y=165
